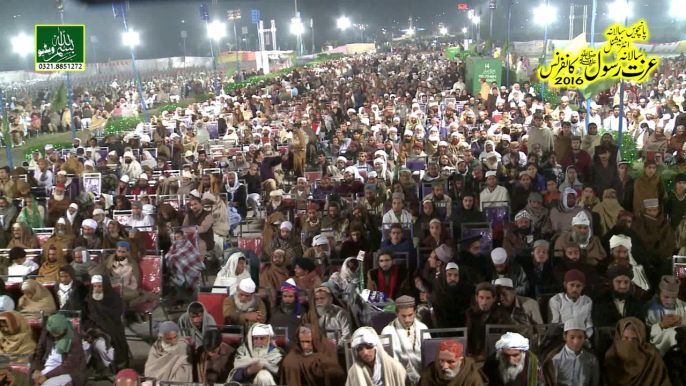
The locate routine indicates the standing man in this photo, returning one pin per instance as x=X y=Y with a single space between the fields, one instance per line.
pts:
x=406 y=332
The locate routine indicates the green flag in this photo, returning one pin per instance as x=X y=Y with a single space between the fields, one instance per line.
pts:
x=6 y=136
x=596 y=88
x=59 y=100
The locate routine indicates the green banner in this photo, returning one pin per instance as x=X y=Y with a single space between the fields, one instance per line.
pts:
x=452 y=52
x=491 y=69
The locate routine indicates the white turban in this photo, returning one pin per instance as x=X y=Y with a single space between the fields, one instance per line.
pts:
x=260 y=329
x=365 y=335
x=491 y=173
x=96 y=279
x=320 y=240
x=581 y=219
x=408 y=132
x=512 y=341
x=622 y=240
x=90 y=223
x=61 y=221
x=247 y=285
x=341 y=158
x=25 y=286
x=286 y=225
x=522 y=214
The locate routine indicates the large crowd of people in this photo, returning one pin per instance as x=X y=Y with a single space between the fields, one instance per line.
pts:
x=366 y=221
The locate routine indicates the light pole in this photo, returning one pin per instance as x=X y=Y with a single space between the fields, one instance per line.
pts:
x=593 y=15
x=343 y=24
x=60 y=9
x=234 y=16
x=131 y=39
x=544 y=15
x=507 y=48
x=477 y=27
x=184 y=35
x=621 y=10
x=2 y=123
x=297 y=29
x=23 y=45
x=215 y=31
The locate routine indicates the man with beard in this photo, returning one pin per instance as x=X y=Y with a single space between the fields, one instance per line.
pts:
x=372 y=365
x=82 y=264
x=656 y=234
x=122 y=266
x=623 y=227
x=440 y=200
x=70 y=292
x=73 y=216
x=244 y=308
x=406 y=333
x=572 y=364
x=350 y=185
x=103 y=309
x=312 y=361
x=336 y=222
x=540 y=134
x=276 y=203
x=89 y=239
x=290 y=245
x=389 y=278
x=273 y=274
x=330 y=316
x=289 y=310
x=485 y=310
x=665 y=314
x=213 y=360
x=143 y=186
x=621 y=302
x=591 y=249
x=131 y=167
x=123 y=188
x=324 y=188
x=450 y=296
x=452 y=368
x=406 y=145
x=169 y=358
x=513 y=363
x=519 y=241
x=143 y=222
x=523 y=310
x=63 y=238
x=503 y=267
x=258 y=359
x=571 y=304
x=197 y=215
x=57 y=205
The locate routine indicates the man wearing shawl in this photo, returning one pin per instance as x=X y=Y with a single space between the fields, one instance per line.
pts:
x=289 y=310
x=372 y=365
x=235 y=270
x=312 y=361
x=59 y=359
x=53 y=259
x=519 y=241
x=632 y=360
x=655 y=232
x=57 y=204
x=572 y=363
x=122 y=266
x=274 y=273
x=258 y=359
x=665 y=314
x=195 y=321
x=245 y=308
x=185 y=263
x=347 y=279
x=90 y=238
x=36 y=298
x=513 y=363
x=103 y=309
x=22 y=237
x=213 y=360
x=608 y=210
x=621 y=248
x=330 y=316
x=169 y=358
x=82 y=264
x=581 y=233
x=405 y=331
x=452 y=368
x=15 y=335
x=70 y=292
x=63 y=238
x=562 y=215
x=31 y=214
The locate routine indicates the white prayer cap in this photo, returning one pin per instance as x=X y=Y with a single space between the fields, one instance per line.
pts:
x=143 y=176
x=260 y=329
x=341 y=159
x=522 y=214
x=581 y=219
x=128 y=154
x=499 y=256
x=319 y=240
x=491 y=173
x=617 y=240
x=125 y=178
x=574 y=324
x=195 y=193
x=512 y=341
x=64 y=173
x=25 y=286
x=276 y=193
x=372 y=174
x=96 y=279
x=365 y=335
x=247 y=285
x=186 y=175
x=90 y=223
x=49 y=147
x=504 y=282
x=451 y=265
x=98 y=211
x=565 y=99
x=61 y=221
x=89 y=163
x=291 y=282
x=379 y=161
x=408 y=132
x=443 y=143
x=286 y=225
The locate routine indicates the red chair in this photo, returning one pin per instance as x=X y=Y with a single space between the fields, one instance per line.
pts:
x=313 y=176
x=43 y=234
x=151 y=281
x=252 y=244
x=35 y=320
x=214 y=304
x=74 y=318
x=150 y=238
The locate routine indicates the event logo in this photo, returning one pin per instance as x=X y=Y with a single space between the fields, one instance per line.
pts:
x=616 y=59
x=60 y=47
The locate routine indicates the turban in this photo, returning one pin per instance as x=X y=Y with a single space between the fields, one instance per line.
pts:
x=669 y=284
x=491 y=173
x=61 y=221
x=260 y=329
x=90 y=223
x=451 y=265
x=312 y=206
x=499 y=256
x=276 y=193
x=289 y=286
x=319 y=240
x=25 y=286
x=444 y=253
x=96 y=279
x=625 y=213
x=398 y=196
x=405 y=302
x=522 y=214
x=247 y=285
x=364 y=335
x=341 y=159
x=622 y=240
x=124 y=244
x=512 y=341
x=286 y=225
x=452 y=346
x=580 y=219
x=74 y=205
x=168 y=327
x=574 y=275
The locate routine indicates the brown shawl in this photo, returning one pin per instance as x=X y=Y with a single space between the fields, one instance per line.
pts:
x=634 y=363
x=26 y=239
x=42 y=299
x=644 y=188
x=319 y=368
x=608 y=210
x=469 y=375
x=268 y=232
x=272 y=277
x=51 y=270
x=60 y=242
x=20 y=338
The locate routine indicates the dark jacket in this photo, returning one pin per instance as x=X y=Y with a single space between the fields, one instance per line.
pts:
x=73 y=362
x=476 y=322
x=605 y=313
x=76 y=298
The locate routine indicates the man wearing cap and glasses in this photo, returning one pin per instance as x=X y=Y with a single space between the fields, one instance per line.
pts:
x=665 y=314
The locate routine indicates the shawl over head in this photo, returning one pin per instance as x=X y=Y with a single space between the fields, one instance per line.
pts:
x=20 y=339
x=391 y=371
x=246 y=356
x=106 y=314
x=42 y=299
x=26 y=239
x=188 y=327
x=608 y=210
x=313 y=368
x=227 y=275
x=51 y=270
x=59 y=324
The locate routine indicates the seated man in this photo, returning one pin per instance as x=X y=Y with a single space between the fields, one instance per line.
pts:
x=519 y=242
x=169 y=358
x=258 y=359
x=389 y=278
x=59 y=359
x=620 y=302
x=285 y=241
x=122 y=266
x=523 y=310
x=484 y=311
x=347 y=279
x=452 y=368
x=83 y=265
x=312 y=361
x=397 y=214
x=16 y=336
x=53 y=259
x=97 y=345
x=330 y=316
x=20 y=266
x=195 y=321
x=70 y=292
x=406 y=332
x=665 y=314
x=213 y=359
x=306 y=275
x=138 y=219
x=592 y=250
x=245 y=308
x=289 y=310
x=273 y=274
x=572 y=364
x=372 y=365
x=571 y=304
x=513 y=363
x=90 y=239
x=503 y=267
x=398 y=243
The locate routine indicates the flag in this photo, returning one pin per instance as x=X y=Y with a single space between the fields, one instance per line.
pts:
x=6 y=129
x=575 y=45
x=592 y=90
x=59 y=100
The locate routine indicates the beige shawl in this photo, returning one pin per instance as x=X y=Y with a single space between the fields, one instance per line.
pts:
x=394 y=373
x=174 y=366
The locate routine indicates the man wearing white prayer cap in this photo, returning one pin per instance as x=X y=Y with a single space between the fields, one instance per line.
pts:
x=493 y=195
x=89 y=238
x=372 y=365
x=258 y=359
x=503 y=267
x=244 y=308
x=523 y=310
x=513 y=363
x=581 y=233
x=572 y=364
